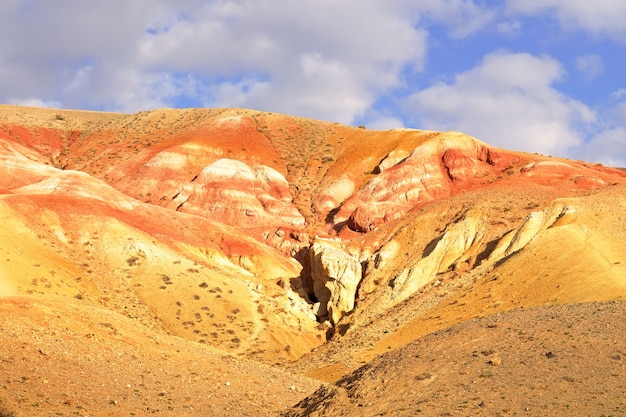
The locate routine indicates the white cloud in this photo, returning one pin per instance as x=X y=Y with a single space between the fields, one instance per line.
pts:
x=600 y=17
x=316 y=87
x=334 y=60
x=508 y=101
x=462 y=18
x=509 y=27
x=140 y=91
x=35 y=102
x=323 y=59
x=9 y=6
x=607 y=145
x=237 y=93
x=618 y=114
x=53 y=50
x=590 y=65
x=80 y=78
x=619 y=93
x=126 y=89
x=608 y=148
x=384 y=123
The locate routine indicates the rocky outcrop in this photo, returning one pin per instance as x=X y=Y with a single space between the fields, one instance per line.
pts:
x=237 y=194
x=76 y=184
x=392 y=159
x=458 y=248
x=20 y=166
x=435 y=169
x=560 y=172
x=336 y=276
x=335 y=193
x=536 y=221
x=458 y=245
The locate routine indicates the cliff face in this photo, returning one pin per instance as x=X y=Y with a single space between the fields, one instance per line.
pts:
x=335 y=276
x=263 y=234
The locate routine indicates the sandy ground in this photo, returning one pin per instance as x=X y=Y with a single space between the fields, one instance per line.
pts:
x=566 y=360
x=67 y=359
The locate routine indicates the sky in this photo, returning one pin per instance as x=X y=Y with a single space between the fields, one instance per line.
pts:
x=543 y=76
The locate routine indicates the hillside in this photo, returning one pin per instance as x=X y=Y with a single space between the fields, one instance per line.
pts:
x=184 y=249
x=566 y=360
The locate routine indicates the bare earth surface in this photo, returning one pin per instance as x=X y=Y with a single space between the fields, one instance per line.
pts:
x=59 y=358
x=566 y=360
x=229 y=262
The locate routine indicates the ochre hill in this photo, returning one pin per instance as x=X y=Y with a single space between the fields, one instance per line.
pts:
x=218 y=259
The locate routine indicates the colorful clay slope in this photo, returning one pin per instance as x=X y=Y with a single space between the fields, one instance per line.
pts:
x=296 y=243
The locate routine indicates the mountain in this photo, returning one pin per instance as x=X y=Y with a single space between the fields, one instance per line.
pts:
x=229 y=261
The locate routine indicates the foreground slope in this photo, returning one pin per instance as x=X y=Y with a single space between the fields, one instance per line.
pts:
x=567 y=360
x=68 y=358
x=259 y=236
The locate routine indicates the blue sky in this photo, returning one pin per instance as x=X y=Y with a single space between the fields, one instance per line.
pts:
x=541 y=76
